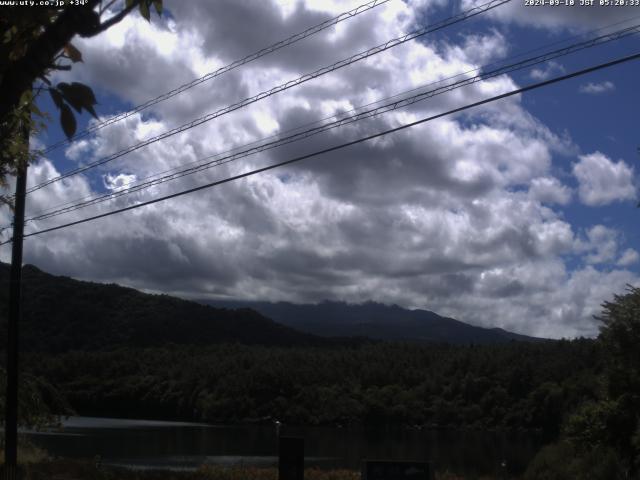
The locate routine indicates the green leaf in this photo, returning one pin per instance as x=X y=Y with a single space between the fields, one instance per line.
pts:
x=144 y=10
x=26 y=98
x=79 y=96
x=7 y=36
x=73 y=53
x=36 y=111
x=68 y=121
x=56 y=97
x=128 y=3
x=158 y=5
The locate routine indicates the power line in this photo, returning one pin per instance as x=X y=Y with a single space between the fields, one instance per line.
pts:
x=142 y=181
x=285 y=86
x=385 y=108
x=341 y=146
x=220 y=71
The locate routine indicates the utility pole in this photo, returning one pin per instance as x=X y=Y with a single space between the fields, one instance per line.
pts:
x=15 y=288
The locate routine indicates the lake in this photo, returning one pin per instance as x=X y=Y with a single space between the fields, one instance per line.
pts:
x=147 y=444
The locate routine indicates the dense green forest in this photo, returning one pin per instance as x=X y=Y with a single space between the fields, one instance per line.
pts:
x=516 y=386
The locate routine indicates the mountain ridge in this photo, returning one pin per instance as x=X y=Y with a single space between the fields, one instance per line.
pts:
x=376 y=321
x=61 y=314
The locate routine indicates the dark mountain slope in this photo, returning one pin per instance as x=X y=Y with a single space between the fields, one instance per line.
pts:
x=60 y=313
x=377 y=321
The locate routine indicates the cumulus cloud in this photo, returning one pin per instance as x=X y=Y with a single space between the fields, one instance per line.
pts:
x=601 y=244
x=547 y=71
x=550 y=190
x=547 y=298
x=114 y=182
x=480 y=49
x=597 y=88
x=456 y=215
x=602 y=181
x=628 y=257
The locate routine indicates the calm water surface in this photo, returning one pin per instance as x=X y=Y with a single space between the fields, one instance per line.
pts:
x=172 y=445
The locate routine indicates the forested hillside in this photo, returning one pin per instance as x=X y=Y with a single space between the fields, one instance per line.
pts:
x=518 y=386
x=61 y=314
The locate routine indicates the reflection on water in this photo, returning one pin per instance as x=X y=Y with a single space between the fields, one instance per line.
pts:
x=173 y=445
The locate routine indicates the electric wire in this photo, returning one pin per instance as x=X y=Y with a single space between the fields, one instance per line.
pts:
x=385 y=108
x=220 y=71
x=285 y=86
x=278 y=135
x=517 y=91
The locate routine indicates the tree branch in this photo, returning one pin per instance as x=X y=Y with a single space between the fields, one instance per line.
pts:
x=104 y=8
x=38 y=57
x=115 y=19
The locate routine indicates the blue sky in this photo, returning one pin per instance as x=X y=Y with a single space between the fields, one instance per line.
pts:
x=604 y=122
x=519 y=214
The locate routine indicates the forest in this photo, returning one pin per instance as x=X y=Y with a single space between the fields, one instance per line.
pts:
x=515 y=386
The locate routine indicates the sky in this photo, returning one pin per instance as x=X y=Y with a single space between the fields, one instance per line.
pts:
x=521 y=213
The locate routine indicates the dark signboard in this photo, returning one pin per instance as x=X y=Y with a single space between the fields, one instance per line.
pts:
x=291 y=458
x=390 y=470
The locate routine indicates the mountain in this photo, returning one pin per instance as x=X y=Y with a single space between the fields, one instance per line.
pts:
x=376 y=321
x=61 y=314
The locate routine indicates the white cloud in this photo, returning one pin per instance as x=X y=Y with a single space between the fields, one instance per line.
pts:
x=480 y=49
x=543 y=296
x=628 y=257
x=114 y=182
x=602 y=243
x=547 y=71
x=550 y=190
x=602 y=181
x=597 y=88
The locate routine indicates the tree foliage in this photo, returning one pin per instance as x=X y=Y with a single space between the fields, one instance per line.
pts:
x=612 y=420
x=34 y=41
x=40 y=402
x=475 y=387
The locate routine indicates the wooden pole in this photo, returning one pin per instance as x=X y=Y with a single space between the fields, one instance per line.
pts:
x=15 y=290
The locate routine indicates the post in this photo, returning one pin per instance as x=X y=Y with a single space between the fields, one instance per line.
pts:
x=290 y=458
x=15 y=284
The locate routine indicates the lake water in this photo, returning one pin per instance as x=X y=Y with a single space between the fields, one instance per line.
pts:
x=171 y=445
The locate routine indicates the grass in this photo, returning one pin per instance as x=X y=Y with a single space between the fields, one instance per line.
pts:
x=84 y=470
x=36 y=464
x=27 y=454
